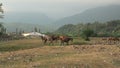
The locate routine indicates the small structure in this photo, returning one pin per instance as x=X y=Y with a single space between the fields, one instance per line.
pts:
x=32 y=34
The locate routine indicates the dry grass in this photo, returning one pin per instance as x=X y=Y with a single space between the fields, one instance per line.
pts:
x=47 y=56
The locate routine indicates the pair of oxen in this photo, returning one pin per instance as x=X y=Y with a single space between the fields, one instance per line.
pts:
x=111 y=40
x=53 y=38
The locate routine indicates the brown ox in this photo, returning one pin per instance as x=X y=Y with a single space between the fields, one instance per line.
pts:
x=113 y=40
x=49 y=38
x=65 y=39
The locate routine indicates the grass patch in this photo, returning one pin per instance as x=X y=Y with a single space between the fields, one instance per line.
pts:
x=19 y=45
x=80 y=43
x=116 y=62
x=15 y=48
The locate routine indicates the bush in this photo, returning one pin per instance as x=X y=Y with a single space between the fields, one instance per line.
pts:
x=87 y=33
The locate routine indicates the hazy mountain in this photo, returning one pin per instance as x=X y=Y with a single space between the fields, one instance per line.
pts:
x=27 y=17
x=100 y=14
x=26 y=21
x=27 y=27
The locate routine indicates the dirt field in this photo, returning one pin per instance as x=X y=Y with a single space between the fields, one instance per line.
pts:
x=31 y=53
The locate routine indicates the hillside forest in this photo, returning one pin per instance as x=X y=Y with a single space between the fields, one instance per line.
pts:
x=109 y=28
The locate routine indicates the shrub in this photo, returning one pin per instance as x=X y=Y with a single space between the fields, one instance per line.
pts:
x=87 y=33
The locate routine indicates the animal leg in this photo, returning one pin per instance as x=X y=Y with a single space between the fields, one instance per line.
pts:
x=45 y=41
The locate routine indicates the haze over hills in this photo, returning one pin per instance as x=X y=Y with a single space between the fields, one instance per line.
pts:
x=42 y=21
x=27 y=17
x=101 y=14
x=26 y=21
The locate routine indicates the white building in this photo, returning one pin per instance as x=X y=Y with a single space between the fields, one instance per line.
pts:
x=36 y=34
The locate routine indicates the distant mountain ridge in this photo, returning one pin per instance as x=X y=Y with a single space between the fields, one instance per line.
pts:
x=27 y=17
x=28 y=21
x=101 y=14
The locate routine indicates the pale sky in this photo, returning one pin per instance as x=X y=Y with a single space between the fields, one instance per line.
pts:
x=54 y=8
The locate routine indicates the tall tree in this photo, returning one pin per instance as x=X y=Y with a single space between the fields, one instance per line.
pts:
x=2 y=30
x=1 y=10
x=35 y=29
x=16 y=30
x=87 y=33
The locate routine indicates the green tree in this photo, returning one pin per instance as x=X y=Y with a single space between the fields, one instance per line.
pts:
x=2 y=29
x=16 y=30
x=1 y=10
x=1 y=16
x=20 y=32
x=87 y=33
x=35 y=29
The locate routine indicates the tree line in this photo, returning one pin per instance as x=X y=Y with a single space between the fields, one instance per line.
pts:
x=109 y=28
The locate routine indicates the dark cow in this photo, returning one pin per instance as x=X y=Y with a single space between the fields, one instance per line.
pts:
x=113 y=40
x=65 y=39
x=51 y=38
